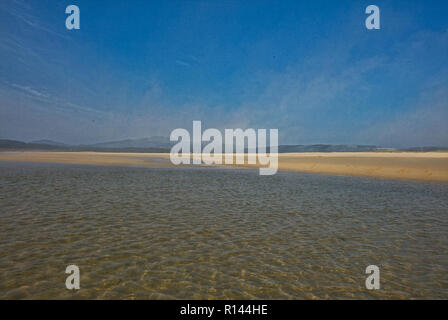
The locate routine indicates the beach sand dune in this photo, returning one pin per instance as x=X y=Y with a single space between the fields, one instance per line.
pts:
x=426 y=166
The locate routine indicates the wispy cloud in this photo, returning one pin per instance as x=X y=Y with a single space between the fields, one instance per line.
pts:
x=183 y=63
x=53 y=101
x=30 y=91
x=24 y=13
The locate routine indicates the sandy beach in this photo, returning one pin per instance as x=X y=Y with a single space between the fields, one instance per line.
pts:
x=425 y=166
x=428 y=166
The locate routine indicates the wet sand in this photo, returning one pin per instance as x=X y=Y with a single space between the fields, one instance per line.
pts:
x=426 y=166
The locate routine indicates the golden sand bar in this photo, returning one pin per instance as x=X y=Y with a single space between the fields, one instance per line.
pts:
x=427 y=166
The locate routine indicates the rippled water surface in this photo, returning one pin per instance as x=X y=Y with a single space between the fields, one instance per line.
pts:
x=156 y=233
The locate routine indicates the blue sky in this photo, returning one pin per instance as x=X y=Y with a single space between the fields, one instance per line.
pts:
x=143 y=68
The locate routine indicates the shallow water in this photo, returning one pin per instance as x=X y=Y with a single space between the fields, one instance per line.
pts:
x=156 y=233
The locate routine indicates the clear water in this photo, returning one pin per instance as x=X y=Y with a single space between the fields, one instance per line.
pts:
x=173 y=233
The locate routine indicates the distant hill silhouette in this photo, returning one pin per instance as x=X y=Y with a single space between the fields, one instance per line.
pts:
x=152 y=142
x=163 y=145
x=48 y=145
x=50 y=142
x=19 y=145
x=327 y=148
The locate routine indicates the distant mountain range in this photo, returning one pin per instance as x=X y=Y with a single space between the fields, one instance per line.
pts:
x=154 y=144
x=50 y=143
x=163 y=144
x=328 y=148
